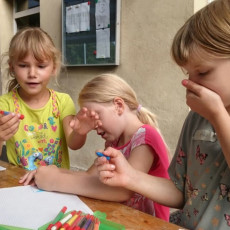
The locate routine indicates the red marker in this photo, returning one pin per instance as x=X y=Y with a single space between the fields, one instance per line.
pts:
x=62 y=221
x=58 y=217
x=96 y=224
x=6 y=113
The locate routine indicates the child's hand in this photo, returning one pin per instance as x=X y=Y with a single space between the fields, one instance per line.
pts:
x=203 y=100
x=46 y=177
x=115 y=172
x=28 y=178
x=8 y=125
x=85 y=121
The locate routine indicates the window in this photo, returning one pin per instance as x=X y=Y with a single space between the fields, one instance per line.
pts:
x=26 y=13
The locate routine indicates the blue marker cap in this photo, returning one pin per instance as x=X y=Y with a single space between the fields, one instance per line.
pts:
x=102 y=155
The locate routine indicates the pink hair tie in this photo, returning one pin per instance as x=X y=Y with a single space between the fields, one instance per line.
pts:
x=139 y=108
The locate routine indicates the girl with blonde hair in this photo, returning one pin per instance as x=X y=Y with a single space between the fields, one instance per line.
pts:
x=126 y=126
x=50 y=124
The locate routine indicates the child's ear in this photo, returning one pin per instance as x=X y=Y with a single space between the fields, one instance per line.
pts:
x=54 y=72
x=119 y=105
x=11 y=69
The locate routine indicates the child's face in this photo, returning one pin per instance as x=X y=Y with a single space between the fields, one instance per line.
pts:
x=112 y=122
x=33 y=76
x=212 y=73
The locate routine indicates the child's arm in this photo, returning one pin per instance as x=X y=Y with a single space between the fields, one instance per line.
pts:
x=210 y=105
x=118 y=172
x=28 y=178
x=87 y=183
x=8 y=127
x=76 y=127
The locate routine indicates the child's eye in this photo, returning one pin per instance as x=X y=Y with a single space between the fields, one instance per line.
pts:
x=42 y=66
x=22 y=65
x=203 y=73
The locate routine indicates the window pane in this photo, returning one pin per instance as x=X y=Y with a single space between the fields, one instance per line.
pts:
x=32 y=20
x=26 y=4
x=33 y=3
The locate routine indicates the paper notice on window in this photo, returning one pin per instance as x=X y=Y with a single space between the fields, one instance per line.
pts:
x=103 y=43
x=102 y=14
x=78 y=18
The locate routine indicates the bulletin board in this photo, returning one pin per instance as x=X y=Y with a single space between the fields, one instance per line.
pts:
x=91 y=32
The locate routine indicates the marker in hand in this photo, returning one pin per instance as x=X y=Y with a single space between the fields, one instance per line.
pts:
x=103 y=155
x=6 y=113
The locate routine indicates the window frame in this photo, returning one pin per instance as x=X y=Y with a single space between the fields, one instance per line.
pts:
x=24 y=13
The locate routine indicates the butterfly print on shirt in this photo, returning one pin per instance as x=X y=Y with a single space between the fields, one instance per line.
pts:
x=200 y=156
x=180 y=155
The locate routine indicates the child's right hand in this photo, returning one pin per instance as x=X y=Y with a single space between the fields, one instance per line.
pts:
x=116 y=171
x=85 y=121
x=202 y=100
x=8 y=125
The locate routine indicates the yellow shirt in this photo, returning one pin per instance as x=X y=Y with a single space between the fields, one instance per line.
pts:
x=40 y=137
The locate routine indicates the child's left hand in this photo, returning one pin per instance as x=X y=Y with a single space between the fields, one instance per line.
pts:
x=28 y=178
x=47 y=177
x=85 y=121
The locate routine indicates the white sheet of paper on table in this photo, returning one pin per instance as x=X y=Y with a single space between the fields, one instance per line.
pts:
x=2 y=168
x=29 y=207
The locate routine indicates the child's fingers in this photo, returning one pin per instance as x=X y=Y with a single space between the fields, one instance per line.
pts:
x=192 y=86
x=28 y=177
x=98 y=123
x=111 y=152
x=99 y=161
x=82 y=111
x=105 y=176
x=33 y=183
x=106 y=167
x=23 y=178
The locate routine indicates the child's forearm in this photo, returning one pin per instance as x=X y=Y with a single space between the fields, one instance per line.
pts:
x=221 y=124
x=160 y=190
x=75 y=140
x=79 y=183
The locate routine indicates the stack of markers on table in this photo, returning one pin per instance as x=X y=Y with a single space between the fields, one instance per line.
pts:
x=74 y=220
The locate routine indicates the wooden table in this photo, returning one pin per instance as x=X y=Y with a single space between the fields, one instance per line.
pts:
x=116 y=212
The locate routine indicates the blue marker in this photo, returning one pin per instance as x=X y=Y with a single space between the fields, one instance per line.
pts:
x=102 y=155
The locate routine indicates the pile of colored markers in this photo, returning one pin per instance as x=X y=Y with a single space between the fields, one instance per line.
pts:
x=74 y=220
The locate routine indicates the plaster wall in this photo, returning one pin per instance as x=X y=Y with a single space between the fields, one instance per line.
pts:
x=6 y=31
x=147 y=30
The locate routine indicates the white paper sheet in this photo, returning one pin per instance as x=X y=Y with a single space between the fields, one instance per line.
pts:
x=103 y=43
x=2 y=168
x=78 y=18
x=29 y=207
x=102 y=14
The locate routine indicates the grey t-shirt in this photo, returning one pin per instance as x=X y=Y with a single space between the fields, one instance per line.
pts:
x=200 y=171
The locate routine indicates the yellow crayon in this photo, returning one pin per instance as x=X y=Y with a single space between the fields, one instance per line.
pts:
x=69 y=222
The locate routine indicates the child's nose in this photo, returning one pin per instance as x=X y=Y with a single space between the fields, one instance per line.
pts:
x=32 y=72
